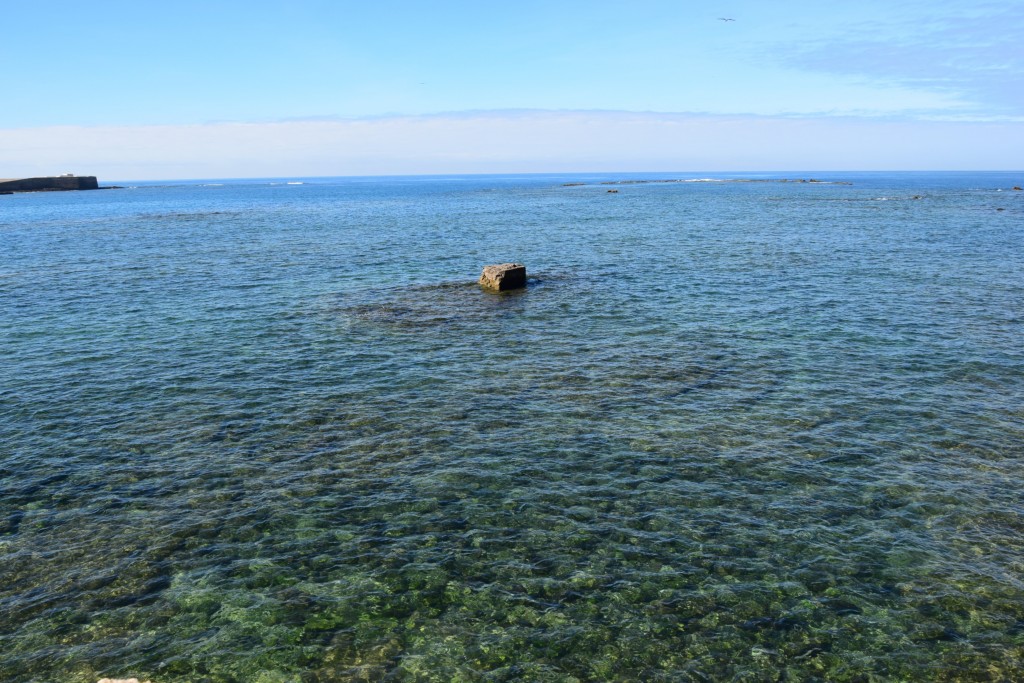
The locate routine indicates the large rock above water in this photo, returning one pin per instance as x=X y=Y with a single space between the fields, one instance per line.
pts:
x=49 y=184
x=503 y=276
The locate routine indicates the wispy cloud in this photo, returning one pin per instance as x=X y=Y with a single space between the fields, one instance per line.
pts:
x=972 y=54
x=514 y=141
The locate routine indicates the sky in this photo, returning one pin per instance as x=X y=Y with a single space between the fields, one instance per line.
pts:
x=132 y=90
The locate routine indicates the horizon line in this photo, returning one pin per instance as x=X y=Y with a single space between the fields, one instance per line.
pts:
x=556 y=173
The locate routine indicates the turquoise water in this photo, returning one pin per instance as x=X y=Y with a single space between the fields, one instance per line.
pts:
x=750 y=431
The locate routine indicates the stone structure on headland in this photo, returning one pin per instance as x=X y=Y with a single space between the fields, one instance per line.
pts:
x=503 y=276
x=49 y=184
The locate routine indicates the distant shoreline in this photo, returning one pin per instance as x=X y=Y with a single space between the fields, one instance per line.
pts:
x=65 y=183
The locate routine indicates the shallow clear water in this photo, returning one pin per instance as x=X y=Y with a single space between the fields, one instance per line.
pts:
x=731 y=431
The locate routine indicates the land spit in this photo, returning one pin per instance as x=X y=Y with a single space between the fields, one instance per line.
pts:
x=49 y=184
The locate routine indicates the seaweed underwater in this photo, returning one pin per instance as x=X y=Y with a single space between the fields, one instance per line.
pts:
x=782 y=441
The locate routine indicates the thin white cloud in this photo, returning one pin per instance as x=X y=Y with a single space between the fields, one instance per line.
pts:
x=504 y=142
x=969 y=53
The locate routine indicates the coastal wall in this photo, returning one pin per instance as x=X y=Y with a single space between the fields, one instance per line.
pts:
x=83 y=182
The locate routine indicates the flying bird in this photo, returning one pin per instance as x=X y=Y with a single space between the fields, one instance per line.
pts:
x=724 y=19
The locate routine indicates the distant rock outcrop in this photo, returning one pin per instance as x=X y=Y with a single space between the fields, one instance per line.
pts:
x=50 y=184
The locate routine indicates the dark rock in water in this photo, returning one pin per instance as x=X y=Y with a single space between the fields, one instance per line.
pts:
x=613 y=191
x=503 y=276
x=49 y=184
x=1018 y=188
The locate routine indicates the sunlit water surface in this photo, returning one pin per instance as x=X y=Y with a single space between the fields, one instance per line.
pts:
x=751 y=431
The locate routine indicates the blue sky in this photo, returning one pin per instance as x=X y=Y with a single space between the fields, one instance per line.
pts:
x=671 y=77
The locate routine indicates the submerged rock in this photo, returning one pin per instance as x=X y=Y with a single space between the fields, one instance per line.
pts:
x=503 y=276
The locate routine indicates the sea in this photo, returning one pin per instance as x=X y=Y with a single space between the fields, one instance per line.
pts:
x=737 y=427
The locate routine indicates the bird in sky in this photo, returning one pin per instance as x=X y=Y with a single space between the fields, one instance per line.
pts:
x=724 y=19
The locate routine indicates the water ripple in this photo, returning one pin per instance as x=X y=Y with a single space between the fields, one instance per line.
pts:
x=730 y=431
